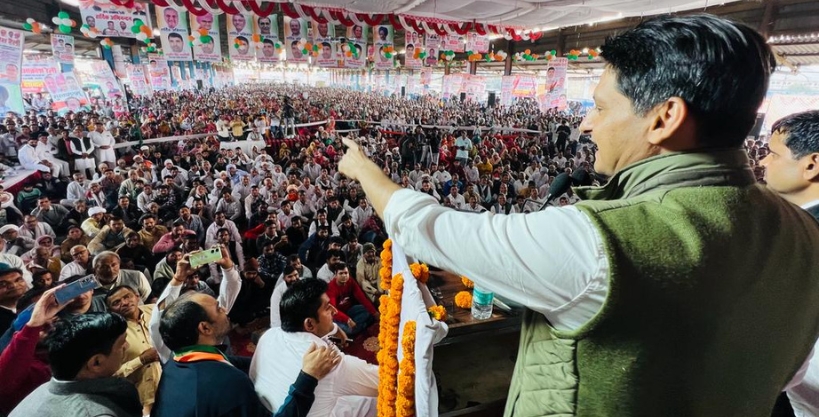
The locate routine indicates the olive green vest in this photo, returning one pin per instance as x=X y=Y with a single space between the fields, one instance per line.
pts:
x=713 y=300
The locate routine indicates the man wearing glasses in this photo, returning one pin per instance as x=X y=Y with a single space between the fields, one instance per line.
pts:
x=81 y=264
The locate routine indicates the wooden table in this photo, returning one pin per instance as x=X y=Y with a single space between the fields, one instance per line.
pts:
x=462 y=326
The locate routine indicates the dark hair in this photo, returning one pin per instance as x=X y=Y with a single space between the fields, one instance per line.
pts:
x=115 y=218
x=76 y=339
x=174 y=35
x=719 y=68
x=117 y=288
x=288 y=270
x=31 y=295
x=339 y=266
x=300 y=302
x=179 y=325
x=802 y=130
x=335 y=253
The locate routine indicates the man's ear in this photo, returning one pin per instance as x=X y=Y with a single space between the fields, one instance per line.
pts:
x=309 y=325
x=670 y=126
x=205 y=328
x=810 y=167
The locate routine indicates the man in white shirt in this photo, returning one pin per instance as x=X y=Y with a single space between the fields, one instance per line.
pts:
x=28 y=158
x=289 y=276
x=463 y=145
x=454 y=199
x=45 y=151
x=104 y=142
x=220 y=221
x=349 y=390
x=361 y=213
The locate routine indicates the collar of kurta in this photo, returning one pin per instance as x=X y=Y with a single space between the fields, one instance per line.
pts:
x=199 y=353
x=723 y=167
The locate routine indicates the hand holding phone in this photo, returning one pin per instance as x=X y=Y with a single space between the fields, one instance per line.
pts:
x=75 y=289
x=205 y=256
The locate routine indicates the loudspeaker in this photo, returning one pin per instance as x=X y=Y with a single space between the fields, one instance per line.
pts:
x=403 y=91
x=491 y=101
x=757 y=129
x=463 y=97
x=199 y=84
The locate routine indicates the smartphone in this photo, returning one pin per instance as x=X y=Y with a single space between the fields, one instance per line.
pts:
x=205 y=256
x=76 y=289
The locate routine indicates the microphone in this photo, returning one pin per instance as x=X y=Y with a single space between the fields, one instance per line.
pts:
x=581 y=178
x=559 y=186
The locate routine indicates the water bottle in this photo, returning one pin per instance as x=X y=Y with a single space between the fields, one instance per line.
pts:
x=482 y=303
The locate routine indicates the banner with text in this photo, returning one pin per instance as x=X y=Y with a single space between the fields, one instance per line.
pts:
x=268 y=28
x=62 y=47
x=11 y=63
x=136 y=79
x=517 y=86
x=35 y=69
x=413 y=43
x=112 y=20
x=474 y=86
x=106 y=80
x=240 y=35
x=295 y=30
x=454 y=43
x=324 y=36
x=66 y=93
x=553 y=92
x=173 y=33
x=477 y=43
x=357 y=36
x=206 y=28
x=432 y=43
x=383 y=47
x=159 y=74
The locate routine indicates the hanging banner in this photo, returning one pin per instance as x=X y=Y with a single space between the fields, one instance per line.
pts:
x=268 y=28
x=62 y=47
x=383 y=47
x=477 y=43
x=106 y=80
x=517 y=86
x=553 y=92
x=119 y=62
x=35 y=69
x=426 y=76
x=11 y=63
x=413 y=45
x=454 y=43
x=324 y=36
x=158 y=73
x=206 y=29
x=357 y=38
x=474 y=86
x=136 y=79
x=296 y=37
x=66 y=93
x=432 y=43
x=112 y=20
x=173 y=33
x=240 y=34
x=452 y=86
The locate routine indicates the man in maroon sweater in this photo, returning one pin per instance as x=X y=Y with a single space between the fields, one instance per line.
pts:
x=355 y=312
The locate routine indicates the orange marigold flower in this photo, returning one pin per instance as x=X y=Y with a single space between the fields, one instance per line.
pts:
x=387 y=244
x=467 y=283
x=437 y=312
x=463 y=299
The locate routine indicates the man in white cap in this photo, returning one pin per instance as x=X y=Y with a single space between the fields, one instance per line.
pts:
x=12 y=243
x=104 y=143
x=95 y=222
x=76 y=190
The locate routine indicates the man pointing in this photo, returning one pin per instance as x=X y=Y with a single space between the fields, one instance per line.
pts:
x=666 y=276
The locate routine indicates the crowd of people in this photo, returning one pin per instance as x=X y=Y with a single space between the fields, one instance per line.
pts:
x=111 y=200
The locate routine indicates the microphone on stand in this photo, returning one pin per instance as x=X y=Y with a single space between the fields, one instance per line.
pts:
x=558 y=187
x=581 y=178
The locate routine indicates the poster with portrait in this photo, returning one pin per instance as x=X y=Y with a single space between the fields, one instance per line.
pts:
x=35 y=68
x=159 y=74
x=66 y=93
x=454 y=43
x=356 y=38
x=517 y=86
x=62 y=48
x=268 y=29
x=452 y=85
x=119 y=62
x=474 y=86
x=11 y=63
x=112 y=20
x=553 y=92
x=136 y=79
x=384 y=51
x=413 y=44
x=324 y=37
x=294 y=31
x=432 y=44
x=173 y=33
x=426 y=76
x=477 y=43
x=206 y=27
x=106 y=80
x=240 y=35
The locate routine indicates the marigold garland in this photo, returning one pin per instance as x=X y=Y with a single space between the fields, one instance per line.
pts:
x=405 y=403
x=385 y=272
x=463 y=299
x=420 y=272
x=437 y=312
x=467 y=282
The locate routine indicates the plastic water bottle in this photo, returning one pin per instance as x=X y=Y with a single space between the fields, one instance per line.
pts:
x=482 y=303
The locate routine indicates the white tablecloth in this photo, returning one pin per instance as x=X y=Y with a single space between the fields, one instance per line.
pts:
x=16 y=176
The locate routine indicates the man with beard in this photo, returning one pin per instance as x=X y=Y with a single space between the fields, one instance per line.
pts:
x=151 y=233
x=192 y=222
x=128 y=212
x=289 y=276
x=110 y=236
x=253 y=301
x=109 y=275
x=136 y=252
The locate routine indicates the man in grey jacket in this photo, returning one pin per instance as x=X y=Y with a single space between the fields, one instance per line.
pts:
x=84 y=351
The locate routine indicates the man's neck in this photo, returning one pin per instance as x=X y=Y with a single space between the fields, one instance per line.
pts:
x=806 y=198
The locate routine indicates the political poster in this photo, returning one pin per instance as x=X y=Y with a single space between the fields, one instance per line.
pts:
x=454 y=43
x=119 y=62
x=11 y=63
x=240 y=35
x=426 y=76
x=106 y=80
x=517 y=86
x=66 y=93
x=357 y=39
x=452 y=86
x=206 y=29
x=477 y=43
x=295 y=30
x=432 y=44
x=413 y=45
x=324 y=37
x=173 y=33
x=112 y=20
x=136 y=79
x=553 y=92
x=268 y=28
x=35 y=69
x=474 y=87
x=159 y=74
x=383 y=47
x=62 y=48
